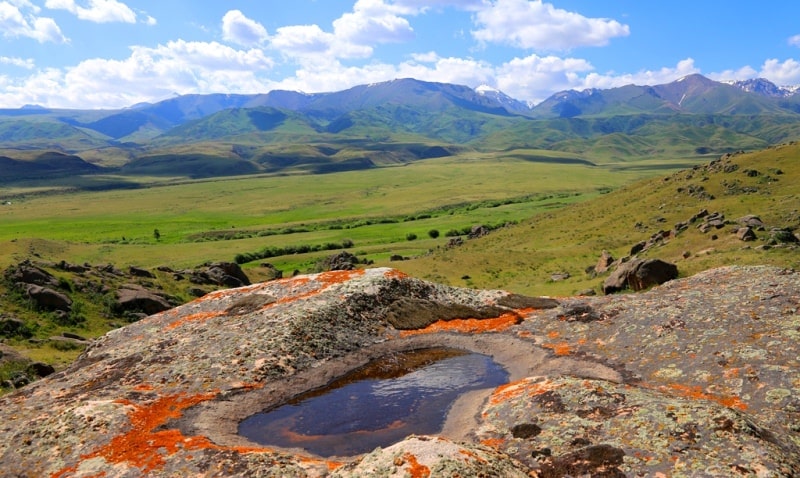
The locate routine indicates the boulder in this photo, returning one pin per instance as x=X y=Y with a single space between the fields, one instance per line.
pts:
x=134 y=298
x=139 y=272
x=478 y=231
x=27 y=273
x=639 y=274
x=751 y=220
x=746 y=234
x=47 y=298
x=343 y=261
x=605 y=261
x=228 y=274
x=783 y=236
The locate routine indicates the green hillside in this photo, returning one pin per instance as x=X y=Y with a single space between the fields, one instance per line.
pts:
x=525 y=257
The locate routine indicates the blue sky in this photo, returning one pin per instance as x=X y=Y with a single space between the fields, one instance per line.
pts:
x=116 y=53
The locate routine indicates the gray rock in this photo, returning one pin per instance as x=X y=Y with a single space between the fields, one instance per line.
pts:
x=746 y=234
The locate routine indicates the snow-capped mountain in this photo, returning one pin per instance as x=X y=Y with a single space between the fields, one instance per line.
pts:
x=764 y=87
x=507 y=102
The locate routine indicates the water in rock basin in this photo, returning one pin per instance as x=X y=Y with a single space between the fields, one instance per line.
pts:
x=377 y=405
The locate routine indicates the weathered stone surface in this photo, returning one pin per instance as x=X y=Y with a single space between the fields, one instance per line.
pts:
x=695 y=377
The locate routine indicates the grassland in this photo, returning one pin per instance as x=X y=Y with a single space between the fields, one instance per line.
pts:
x=553 y=213
x=524 y=258
x=376 y=209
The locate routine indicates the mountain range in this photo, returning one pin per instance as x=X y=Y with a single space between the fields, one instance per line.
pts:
x=399 y=121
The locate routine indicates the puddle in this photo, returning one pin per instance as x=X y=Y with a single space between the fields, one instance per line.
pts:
x=376 y=405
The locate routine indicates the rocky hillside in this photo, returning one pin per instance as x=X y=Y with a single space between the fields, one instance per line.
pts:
x=697 y=376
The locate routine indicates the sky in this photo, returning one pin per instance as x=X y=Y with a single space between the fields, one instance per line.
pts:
x=93 y=54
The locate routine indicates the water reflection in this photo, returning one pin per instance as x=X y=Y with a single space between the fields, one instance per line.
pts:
x=377 y=405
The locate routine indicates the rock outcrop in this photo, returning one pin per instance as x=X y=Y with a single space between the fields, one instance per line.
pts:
x=697 y=376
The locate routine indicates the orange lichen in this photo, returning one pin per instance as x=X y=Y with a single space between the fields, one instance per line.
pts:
x=415 y=468
x=395 y=274
x=696 y=392
x=495 y=443
x=516 y=389
x=199 y=316
x=145 y=447
x=731 y=373
x=553 y=334
x=560 y=349
x=473 y=456
x=470 y=326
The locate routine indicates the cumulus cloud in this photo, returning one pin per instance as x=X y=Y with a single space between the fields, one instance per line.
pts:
x=794 y=40
x=239 y=29
x=781 y=73
x=541 y=26
x=179 y=66
x=373 y=21
x=20 y=19
x=97 y=11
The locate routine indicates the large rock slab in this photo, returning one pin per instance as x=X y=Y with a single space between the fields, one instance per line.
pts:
x=697 y=376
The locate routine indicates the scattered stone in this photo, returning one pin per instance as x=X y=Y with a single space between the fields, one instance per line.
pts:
x=746 y=234
x=135 y=298
x=783 y=236
x=343 y=261
x=47 y=298
x=639 y=274
x=139 y=272
x=604 y=262
x=559 y=276
x=478 y=231
x=27 y=273
x=752 y=221
x=71 y=335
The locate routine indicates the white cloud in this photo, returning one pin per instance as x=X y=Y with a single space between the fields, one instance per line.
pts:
x=794 y=40
x=299 y=40
x=541 y=26
x=26 y=63
x=534 y=77
x=148 y=73
x=781 y=73
x=97 y=11
x=428 y=57
x=422 y=6
x=239 y=29
x=643 y=77
x=372 y=22
x=14 y=23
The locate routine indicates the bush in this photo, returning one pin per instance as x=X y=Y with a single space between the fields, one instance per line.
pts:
x=411 y=236
x=433 y=233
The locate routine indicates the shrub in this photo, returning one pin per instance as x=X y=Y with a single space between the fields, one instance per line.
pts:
x=411 y=236
x=433 y=233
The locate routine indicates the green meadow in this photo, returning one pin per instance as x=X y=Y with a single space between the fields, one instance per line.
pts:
x=377 y=209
